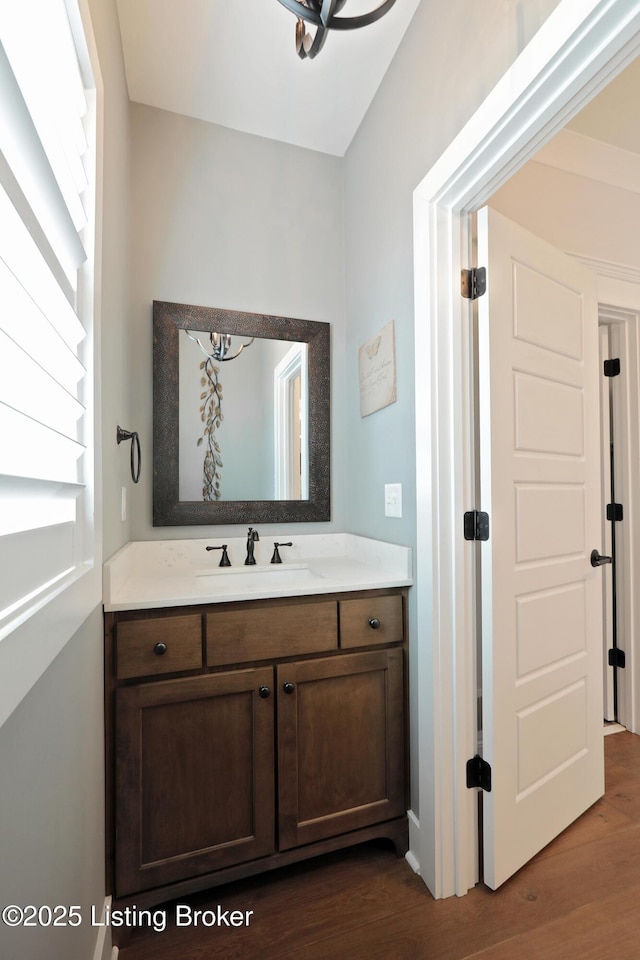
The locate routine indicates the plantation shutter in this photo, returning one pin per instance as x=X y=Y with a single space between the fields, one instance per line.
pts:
x=47 y=190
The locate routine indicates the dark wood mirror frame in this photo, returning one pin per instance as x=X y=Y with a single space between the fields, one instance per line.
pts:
x=168 y=510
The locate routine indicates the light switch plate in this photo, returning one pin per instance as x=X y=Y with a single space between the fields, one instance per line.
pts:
x=393 y=499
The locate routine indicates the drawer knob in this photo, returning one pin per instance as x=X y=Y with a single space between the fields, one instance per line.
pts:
x=374 y=623
x=264 y=692
x=289 y=687
x=160 y=649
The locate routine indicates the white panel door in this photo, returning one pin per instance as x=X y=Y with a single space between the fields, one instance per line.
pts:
x=541 y=598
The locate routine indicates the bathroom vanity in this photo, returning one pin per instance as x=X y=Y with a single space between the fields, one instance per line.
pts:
x=245 y=734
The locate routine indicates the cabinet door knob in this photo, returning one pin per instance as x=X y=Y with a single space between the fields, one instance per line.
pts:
x=374 y=623
x=264 y=692
x=289 y=687
x=160 y=649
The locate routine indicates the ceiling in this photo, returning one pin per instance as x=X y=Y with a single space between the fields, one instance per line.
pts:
x=612 y=116
x=233 y=62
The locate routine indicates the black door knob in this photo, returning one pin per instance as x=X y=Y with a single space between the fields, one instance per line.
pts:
x=597 y=559
x=289 y=687
x=160 y=649
x=264 y=692
x=374 y=623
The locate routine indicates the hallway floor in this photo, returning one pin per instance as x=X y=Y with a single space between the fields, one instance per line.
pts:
x=579 y=899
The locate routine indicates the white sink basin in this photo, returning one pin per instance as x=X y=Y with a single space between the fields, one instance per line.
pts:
x=259 y=576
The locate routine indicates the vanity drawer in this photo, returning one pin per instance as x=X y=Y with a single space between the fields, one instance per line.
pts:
x=266 y=631
x=140 y=646
x=370 y=620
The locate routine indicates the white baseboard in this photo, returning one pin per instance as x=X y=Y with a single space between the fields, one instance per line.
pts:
x=614 y=728
x=414 y=832
x=103 y=949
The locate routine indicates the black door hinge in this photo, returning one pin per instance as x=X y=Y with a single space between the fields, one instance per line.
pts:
x=473 y=283
x=612 y=368
x=476 y=525
x=478 y=773
x=614 y=511
x=616 y=657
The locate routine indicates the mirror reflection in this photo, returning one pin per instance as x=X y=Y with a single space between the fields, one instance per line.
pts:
x=241 y=417
x=243 y=420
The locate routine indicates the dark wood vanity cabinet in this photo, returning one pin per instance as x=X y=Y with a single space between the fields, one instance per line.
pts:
x=194 y=777
x=277 y=732
x=340 y=745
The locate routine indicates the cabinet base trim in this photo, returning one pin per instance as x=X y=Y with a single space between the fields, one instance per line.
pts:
x=394 y=830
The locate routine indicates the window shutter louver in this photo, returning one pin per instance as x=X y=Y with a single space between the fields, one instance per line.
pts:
x=46 y=204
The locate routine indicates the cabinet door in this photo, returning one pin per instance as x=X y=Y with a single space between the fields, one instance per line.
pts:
x=194 y=776
x=340 y=744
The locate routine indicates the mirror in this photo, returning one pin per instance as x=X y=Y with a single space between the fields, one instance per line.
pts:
x=241 y=426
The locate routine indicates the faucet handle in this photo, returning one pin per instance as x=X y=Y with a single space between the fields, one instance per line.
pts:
x=276 y=558
x=224 y=560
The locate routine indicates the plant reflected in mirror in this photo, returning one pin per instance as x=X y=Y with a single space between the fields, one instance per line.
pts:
x=212 y=417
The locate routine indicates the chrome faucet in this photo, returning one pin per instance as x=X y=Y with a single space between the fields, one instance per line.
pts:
x=252 y=536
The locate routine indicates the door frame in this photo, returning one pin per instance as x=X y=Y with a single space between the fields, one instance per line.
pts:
x=604 y=354
x=294 y=364
x=619 y=307
x=581 y=46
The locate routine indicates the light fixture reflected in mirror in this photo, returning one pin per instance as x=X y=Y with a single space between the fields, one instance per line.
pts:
x=323 y=13
x=220 y=346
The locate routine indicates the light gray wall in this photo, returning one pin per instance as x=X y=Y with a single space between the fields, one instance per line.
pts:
x=51 y=748
x=451 y=57
x=116 y=362
x=226 y=219
x=52 y=801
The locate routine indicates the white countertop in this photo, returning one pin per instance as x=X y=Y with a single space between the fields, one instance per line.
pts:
x=166 y=573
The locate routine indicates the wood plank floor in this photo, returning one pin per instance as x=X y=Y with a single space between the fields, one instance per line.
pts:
x=579 y=899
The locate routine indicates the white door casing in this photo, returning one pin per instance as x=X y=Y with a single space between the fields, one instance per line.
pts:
x=541 y=598
x=623 y=324
x=608 y=710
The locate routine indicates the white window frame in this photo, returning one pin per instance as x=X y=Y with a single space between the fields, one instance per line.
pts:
x=43 y=625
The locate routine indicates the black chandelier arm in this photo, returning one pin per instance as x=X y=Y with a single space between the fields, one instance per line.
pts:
x=309 y=50
x=313 y=15
x=327 y=11
x=310 y=14
x=351 y=23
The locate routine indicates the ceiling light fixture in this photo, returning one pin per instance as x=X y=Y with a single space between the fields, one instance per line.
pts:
x=322 y=13
x=220 y=346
